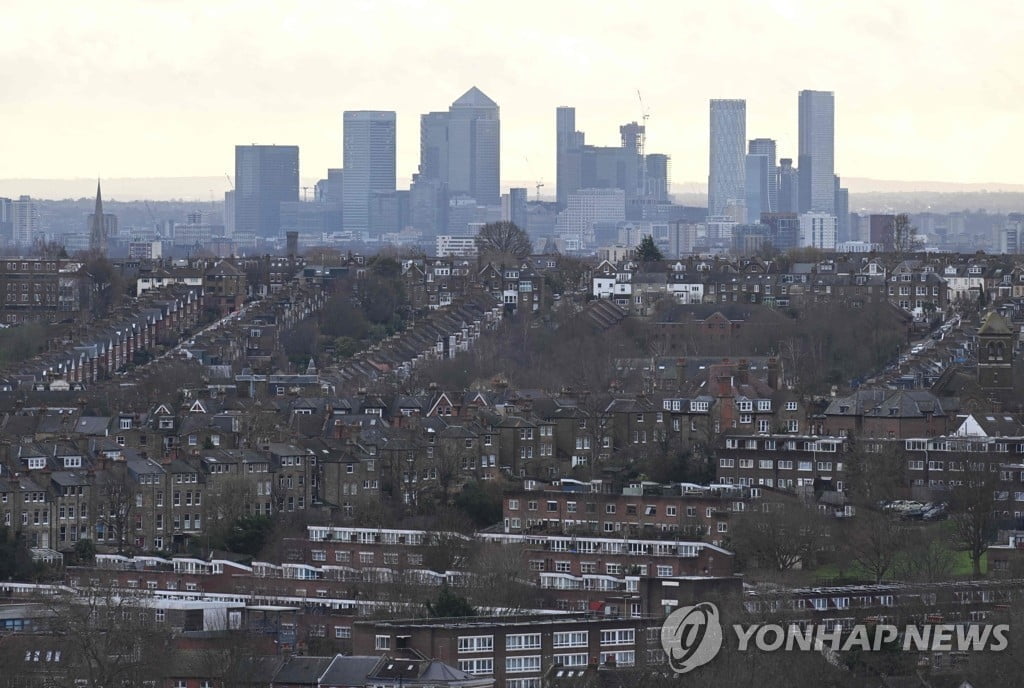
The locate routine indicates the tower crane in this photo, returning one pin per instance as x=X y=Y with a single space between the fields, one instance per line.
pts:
x=645 y=113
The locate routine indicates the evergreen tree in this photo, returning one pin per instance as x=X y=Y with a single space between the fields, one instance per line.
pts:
x=647 y=252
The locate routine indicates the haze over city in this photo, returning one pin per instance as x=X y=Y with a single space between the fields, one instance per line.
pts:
x=923 y=92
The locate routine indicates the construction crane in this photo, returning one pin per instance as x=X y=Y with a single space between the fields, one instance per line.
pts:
x=644 y=114
x=540 y=182
x=226 y=176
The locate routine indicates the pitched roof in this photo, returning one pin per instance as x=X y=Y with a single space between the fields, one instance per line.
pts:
x=303 y=670
x=994 y=324
x=474 y=97
x=349 y=671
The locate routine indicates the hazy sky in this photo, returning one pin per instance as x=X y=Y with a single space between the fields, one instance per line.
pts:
x=924 y=89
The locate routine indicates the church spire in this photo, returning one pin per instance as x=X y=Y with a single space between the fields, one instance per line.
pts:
x=98 y=228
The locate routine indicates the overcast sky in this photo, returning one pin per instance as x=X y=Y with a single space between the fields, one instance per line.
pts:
x=925 y=90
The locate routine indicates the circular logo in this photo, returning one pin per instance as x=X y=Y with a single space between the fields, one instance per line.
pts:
x=691 y=636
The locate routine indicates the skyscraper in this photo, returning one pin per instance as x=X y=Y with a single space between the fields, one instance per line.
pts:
x=567 y=144
x=816 y=159
x=756 y=186
x=789 y=187
x=726 y=174
x=434 y=146
x=767 y=147
x=513 y=207
x=842 y=212
x=265 y=176
x=659 y=175
x=369 y=163
x=25 y=221
x=474 y=148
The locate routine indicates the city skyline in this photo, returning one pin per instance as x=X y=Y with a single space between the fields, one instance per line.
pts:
x=144 y=111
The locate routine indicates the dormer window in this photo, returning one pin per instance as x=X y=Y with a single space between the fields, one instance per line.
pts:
x=72 y=462
x=126 y=424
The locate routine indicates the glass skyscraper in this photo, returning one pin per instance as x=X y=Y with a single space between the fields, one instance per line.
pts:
x=265 y=177
x=816 y=160
x=474 y=148
x=369 y=163
x=727 y=171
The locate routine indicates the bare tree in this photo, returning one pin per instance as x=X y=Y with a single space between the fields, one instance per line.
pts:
x=117 y=493
x=497 y=577
x=110 y=634
x=502 y=243
x=972 y=512
x=230 y=497
x=784 y=535
x=925 y=557
x=904 y=235
x=875 y=472
x=874 y=539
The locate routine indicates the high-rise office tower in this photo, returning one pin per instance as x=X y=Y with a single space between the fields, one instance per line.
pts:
x=434 y=146
x=659 y=175
x=369 y=163
x=567 y=160
x=756 y=186
x=474 y=148
x=842 y=212
x=513 y=207
x=789 y=187
x=265 y=177
x=767 y=147
x=727 y=172
x=816 y=158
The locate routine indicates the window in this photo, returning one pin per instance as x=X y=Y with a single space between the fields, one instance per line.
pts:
x=522 y=664
x=522 y=683
x=573 y=660
x=570 y=639
x=382 y=642
x=618 y=636
x=791 y=406
x=522 y=641
x=342 y=632
x=483 y=666
x=476 y=643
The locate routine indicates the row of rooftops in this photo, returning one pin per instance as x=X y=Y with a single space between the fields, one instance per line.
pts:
x=427 y=338
x=883 y=265
x=99 y=338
